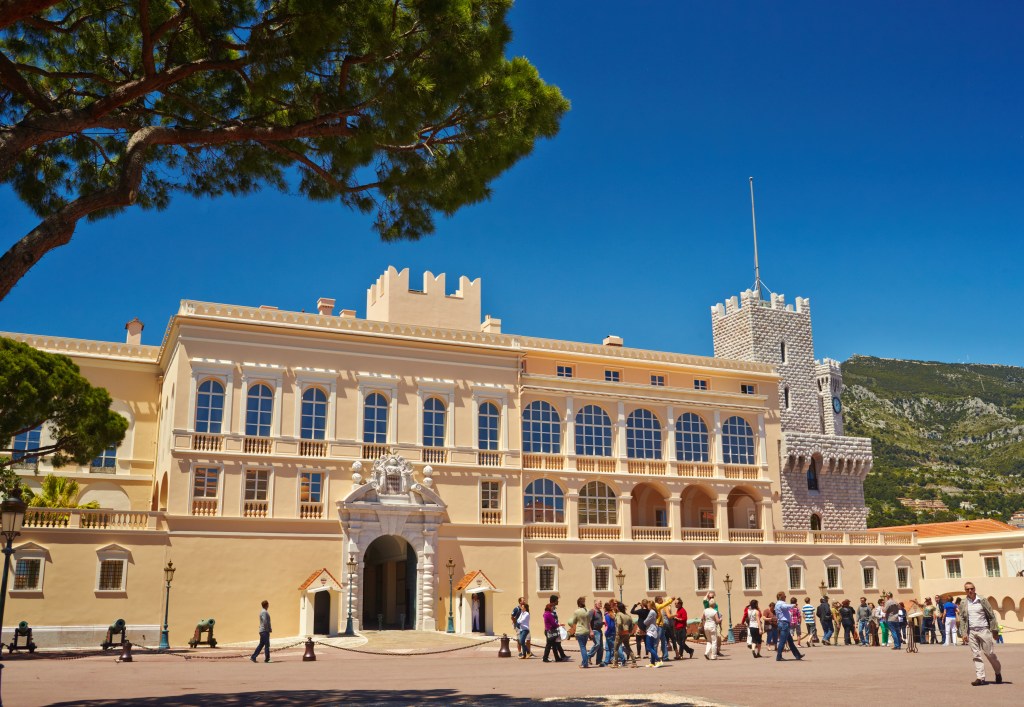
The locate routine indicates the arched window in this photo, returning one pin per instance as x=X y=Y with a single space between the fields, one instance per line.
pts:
x=375 y=419
x=643 y=435
x=812 y=475
x=691 y=438
x=259 y=411
x=543 y=502
x=542 y=430
x=737 y=441
x=487 y=426
x=210 y=406
x=593 y=432
x=314 y=414
x=815 y=521
x=597 y=504
x=433 y=422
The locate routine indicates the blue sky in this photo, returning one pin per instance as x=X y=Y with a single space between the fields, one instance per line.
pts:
x=885 y=139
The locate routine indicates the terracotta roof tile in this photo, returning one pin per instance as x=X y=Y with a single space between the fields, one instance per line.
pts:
x=469 y=578
x=952 y=528
x=317 y=573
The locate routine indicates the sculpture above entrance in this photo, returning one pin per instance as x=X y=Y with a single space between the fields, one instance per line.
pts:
x=391 y=482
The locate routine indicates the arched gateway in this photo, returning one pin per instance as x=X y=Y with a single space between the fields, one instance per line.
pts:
x=390 y=524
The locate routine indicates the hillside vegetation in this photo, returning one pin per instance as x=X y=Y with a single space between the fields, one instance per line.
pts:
x=946 y=431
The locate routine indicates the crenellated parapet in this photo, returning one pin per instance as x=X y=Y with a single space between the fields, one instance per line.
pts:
x=749 y=298
x=833 y=455
x=391 y=299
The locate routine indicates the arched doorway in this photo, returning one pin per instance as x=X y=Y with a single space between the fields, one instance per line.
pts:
x=698 y=507
x=648 y=507
x=743 y=508
x=389 y=584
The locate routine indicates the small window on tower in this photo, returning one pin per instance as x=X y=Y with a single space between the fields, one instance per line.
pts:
x=782 y=351
x=785 y=397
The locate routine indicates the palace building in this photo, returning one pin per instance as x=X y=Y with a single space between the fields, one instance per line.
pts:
x=424 y=462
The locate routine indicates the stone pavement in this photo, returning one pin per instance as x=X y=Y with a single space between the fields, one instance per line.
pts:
x=358 y=674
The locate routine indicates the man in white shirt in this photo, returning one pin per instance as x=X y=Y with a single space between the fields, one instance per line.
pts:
x=979 y=628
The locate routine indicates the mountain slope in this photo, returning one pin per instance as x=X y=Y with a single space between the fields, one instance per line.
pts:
x=953 y=432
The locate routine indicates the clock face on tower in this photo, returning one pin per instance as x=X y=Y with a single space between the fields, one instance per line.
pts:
x=837 y=405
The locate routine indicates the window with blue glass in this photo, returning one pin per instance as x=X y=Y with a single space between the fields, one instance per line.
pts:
x=314 y=414
x=543 y=502
x=375 y=419
x=210 y=406
x=433 y=422
x=311 y=486
x=25 y=442
x=542 y=430
x=107 y=458
x=737 y=441
x=259 y=411
x=487 y=426
x=812 y=476
x=691 y=438
x=643 y=435
x=593 y=432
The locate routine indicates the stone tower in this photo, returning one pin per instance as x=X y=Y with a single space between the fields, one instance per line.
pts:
x=822 y=472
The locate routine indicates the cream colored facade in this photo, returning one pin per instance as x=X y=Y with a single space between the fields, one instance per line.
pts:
x=444 y=473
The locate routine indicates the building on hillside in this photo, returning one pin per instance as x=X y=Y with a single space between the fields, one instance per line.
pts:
x=923 y=504
x=987 y=552
x=1017 y=519
x=301 y=457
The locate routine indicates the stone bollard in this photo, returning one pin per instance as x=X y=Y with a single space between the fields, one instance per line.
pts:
x=309 y=654
x=504 y=652
x=126 y=652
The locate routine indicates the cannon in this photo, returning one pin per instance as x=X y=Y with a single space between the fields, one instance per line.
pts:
x=118 y=627
x=204 y=626
x=22 y=631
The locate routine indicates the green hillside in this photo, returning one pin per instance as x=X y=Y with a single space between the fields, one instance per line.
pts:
x=946 y=431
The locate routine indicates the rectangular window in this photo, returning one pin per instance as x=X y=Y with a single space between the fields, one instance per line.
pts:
x=27 y=572
x=204 y=483
x=750 y=578
x=832 y=577
x=658 y=379
x=707 y=519
x=700 y=384
x=311 y=487
x=869 y=577
x=903 y=577
x=748 y=388
x=547 y=578
x=953 y=568
x=796 y=577
x=660 y=518
x=257 y=482
x=564 y=371
x=703 y=579
x=489 y=500
x=654 y=579
x=785 y=397
x=107 y=458
x=612 y=376
x=992 y=568
x=602 y=578
x=111 y=575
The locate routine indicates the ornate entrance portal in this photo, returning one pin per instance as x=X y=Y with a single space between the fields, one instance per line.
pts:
x=390 y=523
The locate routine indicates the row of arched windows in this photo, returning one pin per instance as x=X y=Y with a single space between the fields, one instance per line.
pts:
x=542 y=435
x=544 y=502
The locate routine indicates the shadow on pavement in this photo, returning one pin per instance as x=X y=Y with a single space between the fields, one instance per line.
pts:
x=364 y=698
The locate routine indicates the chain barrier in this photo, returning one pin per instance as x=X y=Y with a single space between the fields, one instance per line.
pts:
x=191 y=656
x=398 y=655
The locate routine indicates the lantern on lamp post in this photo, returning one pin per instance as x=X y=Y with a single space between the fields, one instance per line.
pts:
x=352 y=567
x=728 y=596
x=450 y=565
x=824 y=588
x=168 y=576
x=621 y=577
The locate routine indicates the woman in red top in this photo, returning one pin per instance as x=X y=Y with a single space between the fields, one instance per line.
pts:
x=679 y=625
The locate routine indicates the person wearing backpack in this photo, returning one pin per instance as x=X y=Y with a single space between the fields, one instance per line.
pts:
x=824 y=613
x=623 y=633
x=979 y=626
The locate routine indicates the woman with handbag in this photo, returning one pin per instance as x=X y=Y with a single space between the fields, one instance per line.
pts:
x=550 y=633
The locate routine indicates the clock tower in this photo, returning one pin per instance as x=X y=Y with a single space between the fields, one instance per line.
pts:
x=830 y=387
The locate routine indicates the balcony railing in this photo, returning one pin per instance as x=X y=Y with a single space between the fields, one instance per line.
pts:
x=257 y=445
x=600 y=532
x=490 y=517
x=433 y=455
x=311 y=510
x=742 y=471
x=204 y=506
x=836 y=537
x=547 y=462
x=312 y=449
x=488 y=458
x=651 y=533
x=374 y=452
x=545 y=531
x=90 y=519
x=604 y=465
x=106 y=520
x=746 y=536
x=48 y=518
x=695 y=470
x=255 y=509
x=651 y=467
x=207 y=443
x=700 y=535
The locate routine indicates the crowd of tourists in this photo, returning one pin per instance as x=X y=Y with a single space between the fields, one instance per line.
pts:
x=610 y=635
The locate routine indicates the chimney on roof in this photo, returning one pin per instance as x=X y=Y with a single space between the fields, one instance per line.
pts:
x=612 y=340
x=490 y=325
x=347 y=314
x=325 y=305
x=134 y=328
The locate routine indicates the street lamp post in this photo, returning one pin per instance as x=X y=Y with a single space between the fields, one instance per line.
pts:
x=352 y=566
x=621 y=576
x=168 y=576
x=728 y=596
x=12 y=517
x=450 y=565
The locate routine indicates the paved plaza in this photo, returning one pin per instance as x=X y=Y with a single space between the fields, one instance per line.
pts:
x=474 y=675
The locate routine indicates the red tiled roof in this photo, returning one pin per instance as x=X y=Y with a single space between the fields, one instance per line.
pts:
x=317 y=573
x=469 y=578
x=956 y=527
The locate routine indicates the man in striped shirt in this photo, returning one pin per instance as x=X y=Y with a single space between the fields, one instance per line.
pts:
x=812 y=631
